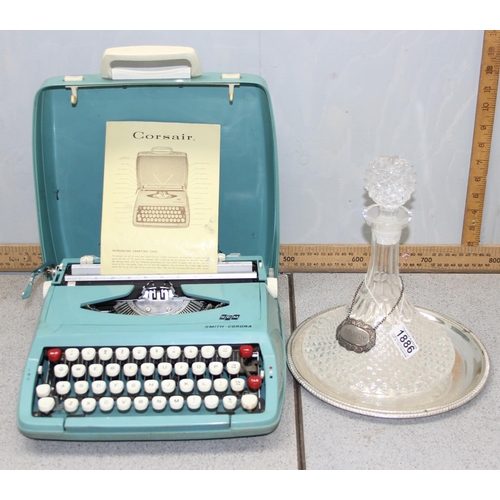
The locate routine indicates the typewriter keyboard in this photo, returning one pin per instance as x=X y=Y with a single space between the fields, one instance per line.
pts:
x=161 y=215
x=156 y=379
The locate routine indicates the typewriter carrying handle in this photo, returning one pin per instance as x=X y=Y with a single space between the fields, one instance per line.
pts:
x=141 y=60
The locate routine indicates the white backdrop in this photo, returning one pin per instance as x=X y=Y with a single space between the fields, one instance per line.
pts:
x=341 y=98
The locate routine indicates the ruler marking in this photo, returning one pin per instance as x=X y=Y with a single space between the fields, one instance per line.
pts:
x=413 y=258
x=481 y=141
x=329 y=258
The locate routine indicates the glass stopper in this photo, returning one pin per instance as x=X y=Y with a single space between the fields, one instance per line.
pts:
x=390 y=181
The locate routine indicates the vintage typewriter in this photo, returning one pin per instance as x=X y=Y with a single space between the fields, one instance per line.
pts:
x=162 y=356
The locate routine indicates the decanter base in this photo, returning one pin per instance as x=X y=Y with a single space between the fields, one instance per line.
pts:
x=313 y=358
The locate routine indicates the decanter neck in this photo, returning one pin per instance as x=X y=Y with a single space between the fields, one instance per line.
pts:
x=386 y=229
x=382 y=285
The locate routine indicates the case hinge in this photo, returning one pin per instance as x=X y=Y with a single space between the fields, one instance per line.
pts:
x=73 y=88
x=231 y=76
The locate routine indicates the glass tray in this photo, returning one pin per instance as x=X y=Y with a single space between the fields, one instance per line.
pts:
x=469 y=373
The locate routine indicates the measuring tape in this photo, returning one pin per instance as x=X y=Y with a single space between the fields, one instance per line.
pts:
x=483 y=131
x=328 y=258
x=17 y=258
x=412 y=258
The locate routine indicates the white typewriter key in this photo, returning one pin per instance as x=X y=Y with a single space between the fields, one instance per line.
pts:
x=220 y=384
x=156 y=352
x=159 y=403
x=71 y=405
x=186 y=385
x=233 y=367
x=63 y=388
x=181 y=368
x=176 y=402
x=98 y=387
x=116 y=387
x=237 y=384
x=190 y=352
x=113 y=370
x=204 y=385
x=88 y=354
x=46 y=405
x=81 y=387
x=96 y=370
x=105 y=353
x=164 y=369
x=147 y=369
x=199 y=368
x=78 y=371
x=194 y=402
x=60 y=371
x=208 y=351
x=88 y=404
x=43 y=390
x=106 y=404
x=133 y=387
x=211 y=402
x=122 y=353
x=130 y=369
x=173 y=352
x=168 y=386
x=225 y=351
x=249 y=401
x=151 y=386
x=141 y=403
x=215 y=368
x=139 y=353
x=123 y=403
x=229 y=402
x=71 y=354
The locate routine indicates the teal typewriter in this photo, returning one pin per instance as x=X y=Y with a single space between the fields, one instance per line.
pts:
x=161 y=356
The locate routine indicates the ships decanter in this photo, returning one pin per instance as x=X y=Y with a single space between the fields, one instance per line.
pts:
x=379 y=355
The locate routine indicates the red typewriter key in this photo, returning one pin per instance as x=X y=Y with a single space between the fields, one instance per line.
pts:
x=254 y=382
x=246 y=351
x=54 y=355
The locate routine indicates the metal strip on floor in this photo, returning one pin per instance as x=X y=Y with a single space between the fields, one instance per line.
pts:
x=297 y=391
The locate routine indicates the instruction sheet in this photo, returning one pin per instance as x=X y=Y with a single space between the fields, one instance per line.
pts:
x=160 y=198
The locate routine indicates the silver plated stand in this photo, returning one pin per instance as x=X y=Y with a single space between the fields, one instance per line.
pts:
x=380 y=355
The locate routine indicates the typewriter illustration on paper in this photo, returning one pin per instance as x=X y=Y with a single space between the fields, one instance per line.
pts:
x=162 y=356
x=162 y=200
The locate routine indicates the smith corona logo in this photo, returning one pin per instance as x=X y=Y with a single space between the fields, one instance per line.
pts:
x=139 y=134
x=227 y=317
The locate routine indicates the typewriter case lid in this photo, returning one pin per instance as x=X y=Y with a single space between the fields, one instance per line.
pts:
x=70 y=116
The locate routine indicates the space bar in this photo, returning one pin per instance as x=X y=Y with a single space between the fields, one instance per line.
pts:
x=147 y=424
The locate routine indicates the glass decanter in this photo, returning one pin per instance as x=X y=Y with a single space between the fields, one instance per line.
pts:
x=389 y=355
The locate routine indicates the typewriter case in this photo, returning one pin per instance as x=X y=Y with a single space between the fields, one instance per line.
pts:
x=70 y=116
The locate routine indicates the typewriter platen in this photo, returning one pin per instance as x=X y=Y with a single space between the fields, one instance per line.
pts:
x=144 y=357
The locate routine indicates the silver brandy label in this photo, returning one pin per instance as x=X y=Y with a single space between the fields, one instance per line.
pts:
x=355 y=335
